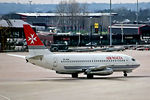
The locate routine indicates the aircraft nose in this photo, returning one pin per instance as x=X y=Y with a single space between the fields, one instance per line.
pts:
x=137 y=64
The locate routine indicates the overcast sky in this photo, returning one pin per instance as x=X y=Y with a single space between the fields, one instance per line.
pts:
x=81 y=1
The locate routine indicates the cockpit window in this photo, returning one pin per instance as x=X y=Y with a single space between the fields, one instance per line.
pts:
x=133 y=59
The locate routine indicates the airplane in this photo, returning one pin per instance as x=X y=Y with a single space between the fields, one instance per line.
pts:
x=88 y=63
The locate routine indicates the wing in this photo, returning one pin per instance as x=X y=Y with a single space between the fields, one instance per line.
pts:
x=100 y=70
x=20 y=56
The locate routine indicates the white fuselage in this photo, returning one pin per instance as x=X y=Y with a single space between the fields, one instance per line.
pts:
x=76 y=63
x=88 y=63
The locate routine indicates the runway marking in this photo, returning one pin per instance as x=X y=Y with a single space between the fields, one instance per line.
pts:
x=5 y=97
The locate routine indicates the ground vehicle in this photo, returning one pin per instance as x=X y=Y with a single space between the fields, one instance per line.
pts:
x=91 y=44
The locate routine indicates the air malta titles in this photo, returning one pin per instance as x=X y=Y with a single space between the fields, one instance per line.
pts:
x=114 y=58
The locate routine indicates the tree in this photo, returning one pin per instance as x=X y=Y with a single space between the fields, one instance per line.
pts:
x=61 y=9
x=71 y=13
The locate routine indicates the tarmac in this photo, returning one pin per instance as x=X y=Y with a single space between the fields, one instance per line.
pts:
x=23 y=81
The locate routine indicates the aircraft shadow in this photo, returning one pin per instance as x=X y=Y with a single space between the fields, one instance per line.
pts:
x=114 y=78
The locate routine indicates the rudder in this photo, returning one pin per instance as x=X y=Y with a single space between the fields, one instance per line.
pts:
x=35 y=45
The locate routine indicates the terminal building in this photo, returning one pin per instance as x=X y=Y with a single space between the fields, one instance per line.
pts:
x=66 y=22
x=132 y=32
x=121 y=33
x=126 y=34
x=11 y=30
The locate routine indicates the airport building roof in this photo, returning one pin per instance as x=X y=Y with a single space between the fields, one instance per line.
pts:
x=127 y=25
x=12 y=23
x=130 y=29
x=64 y=14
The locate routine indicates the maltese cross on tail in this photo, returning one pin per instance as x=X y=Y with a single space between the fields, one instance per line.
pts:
x=32 y=39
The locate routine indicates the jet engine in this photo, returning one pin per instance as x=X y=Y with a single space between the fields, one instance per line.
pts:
x=106 y=71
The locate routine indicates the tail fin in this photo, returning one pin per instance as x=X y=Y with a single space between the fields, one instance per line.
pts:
x=35 y=45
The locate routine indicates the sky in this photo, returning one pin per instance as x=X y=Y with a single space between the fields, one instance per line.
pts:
x=80 y=1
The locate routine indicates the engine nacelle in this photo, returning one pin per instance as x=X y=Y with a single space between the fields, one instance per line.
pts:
x=107 y=71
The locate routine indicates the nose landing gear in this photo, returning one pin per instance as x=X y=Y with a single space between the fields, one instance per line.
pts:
x=125 y=74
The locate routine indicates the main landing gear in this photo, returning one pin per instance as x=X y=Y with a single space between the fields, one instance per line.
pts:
x=89 y=76
x=75 y=75
x=125 y=74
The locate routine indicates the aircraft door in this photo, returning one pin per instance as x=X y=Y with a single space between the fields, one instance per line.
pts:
x=128 y=62
x=55 y=62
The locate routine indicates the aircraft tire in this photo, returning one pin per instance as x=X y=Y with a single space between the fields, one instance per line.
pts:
x=125 y=74
x=75 y=75
x=89 y=76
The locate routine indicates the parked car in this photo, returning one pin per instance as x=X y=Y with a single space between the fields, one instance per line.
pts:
x=91 y=43
x=141 y=49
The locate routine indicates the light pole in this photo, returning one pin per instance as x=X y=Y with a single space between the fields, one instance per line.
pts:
x=110 y=30
x=91 y=31
x=30 y=1
x=137 y=13
x=122 y=33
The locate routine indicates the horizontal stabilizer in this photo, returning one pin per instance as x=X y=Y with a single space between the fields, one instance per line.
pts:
x=38 y=57
x=20 y=56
